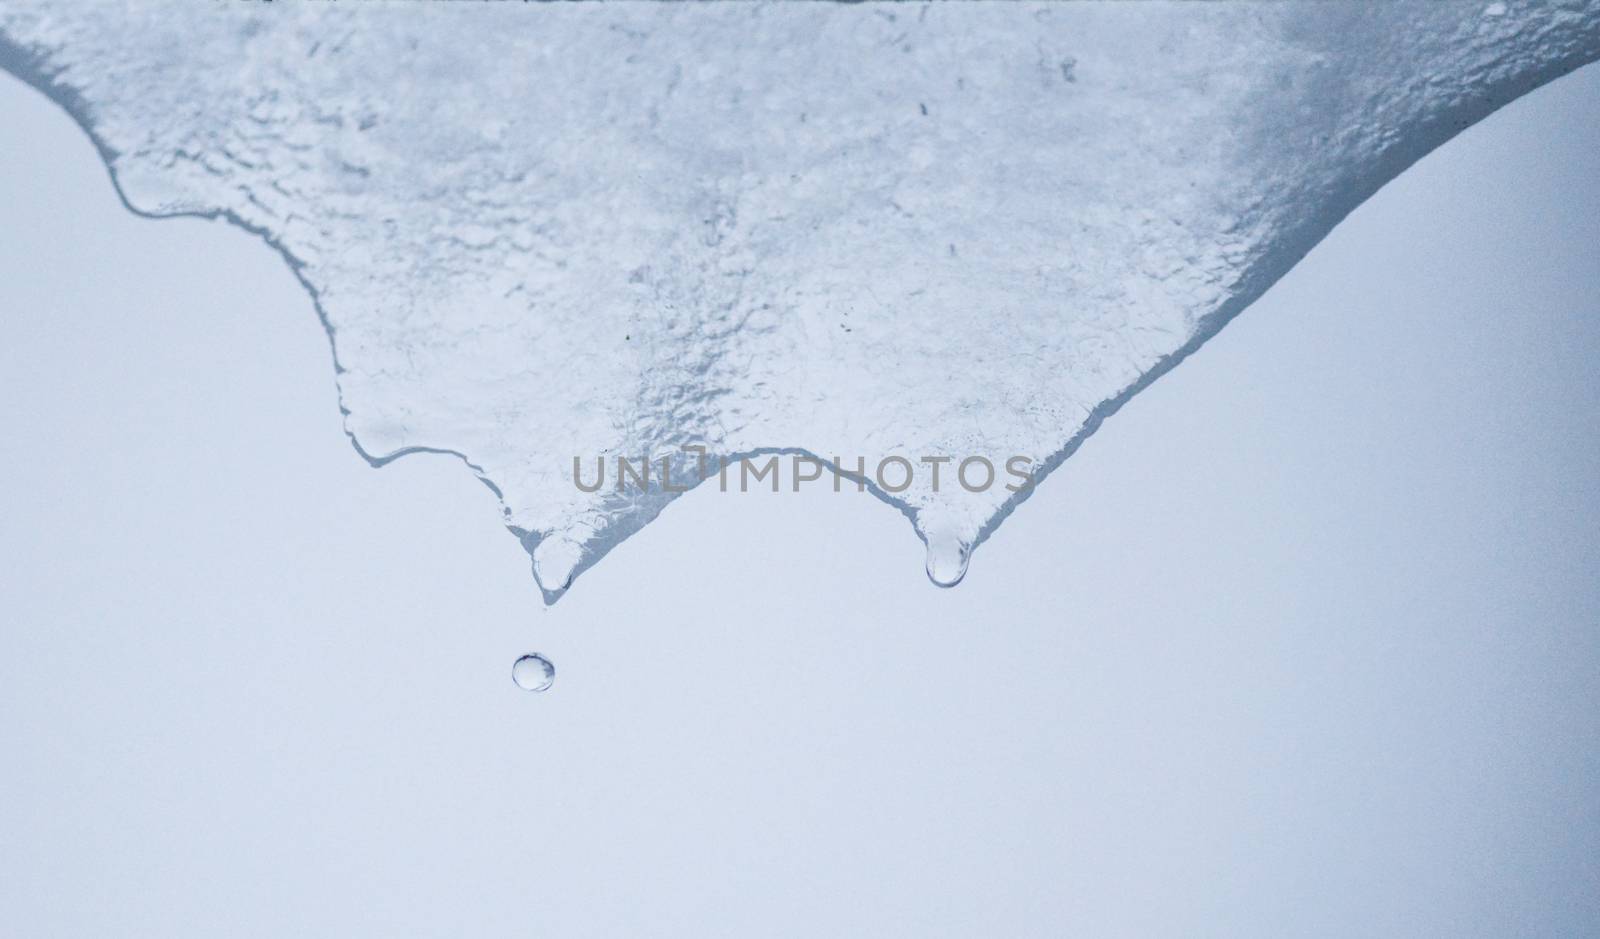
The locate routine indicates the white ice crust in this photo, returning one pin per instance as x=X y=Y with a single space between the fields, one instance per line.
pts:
x=540 y=232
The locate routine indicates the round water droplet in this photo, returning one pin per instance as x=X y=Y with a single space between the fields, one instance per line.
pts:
x=533 y=673
x=947 y=561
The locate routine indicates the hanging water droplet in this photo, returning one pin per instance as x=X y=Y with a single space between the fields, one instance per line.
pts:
x=533 y=672
x=947 y=560
x=554 y=562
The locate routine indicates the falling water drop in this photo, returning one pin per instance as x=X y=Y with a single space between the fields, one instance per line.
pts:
x=533 y=672
x=947 y=560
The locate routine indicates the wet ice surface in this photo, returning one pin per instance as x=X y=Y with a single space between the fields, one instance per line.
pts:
x=863 y=231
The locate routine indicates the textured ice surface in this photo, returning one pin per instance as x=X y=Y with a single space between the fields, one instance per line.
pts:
x=540 y=232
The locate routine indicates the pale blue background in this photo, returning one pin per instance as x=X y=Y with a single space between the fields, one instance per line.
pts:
x=1305 y=642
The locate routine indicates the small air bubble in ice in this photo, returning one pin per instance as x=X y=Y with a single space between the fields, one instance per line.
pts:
x=533 y=672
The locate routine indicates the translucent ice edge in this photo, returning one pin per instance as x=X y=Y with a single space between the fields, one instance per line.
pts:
x=877 y=230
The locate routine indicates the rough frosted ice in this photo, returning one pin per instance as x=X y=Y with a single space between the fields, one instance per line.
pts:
x=540 y=232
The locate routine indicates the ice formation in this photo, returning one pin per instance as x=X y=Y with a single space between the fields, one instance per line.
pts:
x=542 y=232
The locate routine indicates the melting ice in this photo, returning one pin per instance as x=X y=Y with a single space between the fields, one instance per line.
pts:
x=536 y=233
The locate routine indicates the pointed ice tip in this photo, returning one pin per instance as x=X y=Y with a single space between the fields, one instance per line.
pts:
x=947 y=561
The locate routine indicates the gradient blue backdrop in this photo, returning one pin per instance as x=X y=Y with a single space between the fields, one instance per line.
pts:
x=1305 y=642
